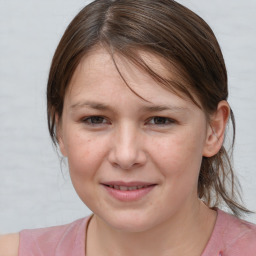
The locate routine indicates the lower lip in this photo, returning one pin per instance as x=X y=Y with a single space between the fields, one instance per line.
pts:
x=129 y=195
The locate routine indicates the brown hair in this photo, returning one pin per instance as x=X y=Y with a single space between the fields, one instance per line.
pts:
x=175 y=34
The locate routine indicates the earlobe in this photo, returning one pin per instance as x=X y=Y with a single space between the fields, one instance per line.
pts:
x=216 y=129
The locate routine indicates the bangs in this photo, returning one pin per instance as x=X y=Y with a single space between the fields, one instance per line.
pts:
x=165 y=72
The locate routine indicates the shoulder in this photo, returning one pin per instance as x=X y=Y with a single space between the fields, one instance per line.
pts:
x=62 y=239
x=52 y=232
x=239 y=235
x=9 y=245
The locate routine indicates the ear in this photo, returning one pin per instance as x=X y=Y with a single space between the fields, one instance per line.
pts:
x=216 y=129
x=59 y=135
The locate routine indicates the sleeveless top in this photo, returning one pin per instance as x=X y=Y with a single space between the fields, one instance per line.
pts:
x=230 y=237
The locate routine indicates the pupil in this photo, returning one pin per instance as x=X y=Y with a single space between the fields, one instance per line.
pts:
x=97 y=119
x=159 y=120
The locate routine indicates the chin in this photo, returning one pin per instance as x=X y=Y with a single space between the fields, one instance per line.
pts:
x=129 y=222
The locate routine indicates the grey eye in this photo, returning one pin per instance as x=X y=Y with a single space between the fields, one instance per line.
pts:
x=95 y=120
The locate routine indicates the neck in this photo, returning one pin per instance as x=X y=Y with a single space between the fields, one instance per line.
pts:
x=185 y=233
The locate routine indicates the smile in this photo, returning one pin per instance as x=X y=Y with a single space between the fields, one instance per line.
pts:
x=128 y=192
x=125 y=188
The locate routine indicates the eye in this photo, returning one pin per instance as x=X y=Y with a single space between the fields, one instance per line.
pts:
x=94 y=120
x=159 y=120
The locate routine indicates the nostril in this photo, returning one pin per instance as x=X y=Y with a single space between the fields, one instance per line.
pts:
x=123 y=166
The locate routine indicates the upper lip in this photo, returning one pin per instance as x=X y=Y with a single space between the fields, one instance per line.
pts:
x=127 y=184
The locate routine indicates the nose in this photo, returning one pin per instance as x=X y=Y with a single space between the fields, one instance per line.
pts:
x=127 y=148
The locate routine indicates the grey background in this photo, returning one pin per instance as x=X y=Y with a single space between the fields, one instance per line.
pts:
x=34 y=190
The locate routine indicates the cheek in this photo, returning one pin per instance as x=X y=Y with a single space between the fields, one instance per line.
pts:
x=85 y=157
x=179 y=160
x=85 y=154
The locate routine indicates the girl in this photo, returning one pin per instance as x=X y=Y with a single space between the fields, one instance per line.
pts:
x=137 y=102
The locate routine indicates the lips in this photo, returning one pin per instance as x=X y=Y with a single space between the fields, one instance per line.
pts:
x=127 y=188
x=128 y=191
x=132 y=185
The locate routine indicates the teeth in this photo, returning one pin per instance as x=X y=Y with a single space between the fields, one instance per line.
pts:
x=124 y=188
x=133 y=188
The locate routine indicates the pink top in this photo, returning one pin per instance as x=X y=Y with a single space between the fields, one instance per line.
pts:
x=230 y=237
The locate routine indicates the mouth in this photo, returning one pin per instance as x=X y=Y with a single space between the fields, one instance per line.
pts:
x=127 y=192
x=128 y=188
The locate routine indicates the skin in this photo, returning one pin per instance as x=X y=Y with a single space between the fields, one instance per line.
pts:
x=108 y=133
x=9 y=245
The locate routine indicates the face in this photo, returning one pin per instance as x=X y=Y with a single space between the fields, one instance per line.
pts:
x=134 y=160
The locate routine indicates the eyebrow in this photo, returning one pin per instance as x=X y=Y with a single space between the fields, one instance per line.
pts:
x=91 y=104
x=102 y=106
x=159 y=108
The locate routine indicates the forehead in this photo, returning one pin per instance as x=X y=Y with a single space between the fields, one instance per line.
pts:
x=99 y=70
x=100 y=59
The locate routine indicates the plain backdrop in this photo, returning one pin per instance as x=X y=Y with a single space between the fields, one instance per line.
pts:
x=35 y=191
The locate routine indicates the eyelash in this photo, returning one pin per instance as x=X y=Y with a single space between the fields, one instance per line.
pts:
x=167 y=121
x=164 y=121
x=88 y=120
